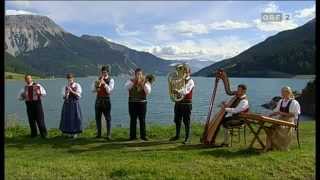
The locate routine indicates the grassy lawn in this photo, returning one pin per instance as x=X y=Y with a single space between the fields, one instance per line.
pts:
x=88 y=158
x=16 y=76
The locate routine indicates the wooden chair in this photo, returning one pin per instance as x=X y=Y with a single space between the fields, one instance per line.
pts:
x=238 y=128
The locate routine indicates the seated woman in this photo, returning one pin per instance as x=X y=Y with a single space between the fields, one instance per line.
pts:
x=71 y=116
x=287 y=109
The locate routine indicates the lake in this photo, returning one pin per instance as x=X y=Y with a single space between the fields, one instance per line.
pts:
x=160 y=107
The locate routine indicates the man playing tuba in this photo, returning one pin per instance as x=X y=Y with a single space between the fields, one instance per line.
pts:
x=183 y=106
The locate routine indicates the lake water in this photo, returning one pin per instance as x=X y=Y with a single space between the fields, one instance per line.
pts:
x=160 y=108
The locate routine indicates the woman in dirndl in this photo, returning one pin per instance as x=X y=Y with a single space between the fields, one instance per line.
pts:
x=71 y=116
x=287 y=109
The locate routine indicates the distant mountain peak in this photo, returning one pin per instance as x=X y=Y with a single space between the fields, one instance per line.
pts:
x=24 y=33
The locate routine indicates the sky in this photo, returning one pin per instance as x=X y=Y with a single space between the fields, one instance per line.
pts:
x=206 y=30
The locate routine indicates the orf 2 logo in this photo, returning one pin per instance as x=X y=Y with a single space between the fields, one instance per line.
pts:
x=273 y=17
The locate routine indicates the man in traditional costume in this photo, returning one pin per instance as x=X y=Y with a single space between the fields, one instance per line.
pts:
x=182 y=109
x=138 y=88
x=287 y=109
x=71 y=116
x=241 y=104
x=103 y=87
x=32 y=94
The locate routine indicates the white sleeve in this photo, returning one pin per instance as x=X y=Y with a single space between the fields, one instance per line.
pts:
x=188 y=88
x=128 y=84
x=79 y=89
x=242 y=106
x=277 y=109
x=63 y=91
x=295 y=108
x=147 y=88
x=110 y=87
x=42 y=90
x=20 y=95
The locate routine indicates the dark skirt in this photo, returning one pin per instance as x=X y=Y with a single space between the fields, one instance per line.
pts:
x=71 y=117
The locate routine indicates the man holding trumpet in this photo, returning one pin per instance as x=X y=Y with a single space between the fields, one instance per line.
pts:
x=103 y=87
x=139 y=87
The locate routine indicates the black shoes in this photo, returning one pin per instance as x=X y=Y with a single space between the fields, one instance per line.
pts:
x=108 y=138
x=144 y=138
x=174 y=138
x=186 y=141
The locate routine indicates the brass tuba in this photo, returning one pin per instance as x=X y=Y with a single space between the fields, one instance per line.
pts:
x=176 y=81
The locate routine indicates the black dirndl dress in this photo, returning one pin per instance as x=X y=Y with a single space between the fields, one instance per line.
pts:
x=71 y=116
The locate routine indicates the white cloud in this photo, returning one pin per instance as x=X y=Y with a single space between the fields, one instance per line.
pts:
x=217 y=49
x=190 y=28
x=271 y=7
x=120 y=29
x=306 y=13
x=17 y=12
x=275 y=26
x=228 y=24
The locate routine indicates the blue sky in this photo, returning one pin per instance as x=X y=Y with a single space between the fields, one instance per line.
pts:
x=211 y=30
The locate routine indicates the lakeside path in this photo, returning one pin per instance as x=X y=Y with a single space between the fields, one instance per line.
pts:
x=88 y=158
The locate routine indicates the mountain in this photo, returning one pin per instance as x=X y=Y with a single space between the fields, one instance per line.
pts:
x=194 y=64
x=285 y=54
x=36 y=44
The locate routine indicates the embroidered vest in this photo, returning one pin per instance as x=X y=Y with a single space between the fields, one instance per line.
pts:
x=31 y=92
x=236 y=103
x=285 y=109
x=188 y=97
x=137 y=94
x=102 y=92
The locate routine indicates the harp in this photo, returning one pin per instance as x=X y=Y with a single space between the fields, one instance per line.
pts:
x=213 y=122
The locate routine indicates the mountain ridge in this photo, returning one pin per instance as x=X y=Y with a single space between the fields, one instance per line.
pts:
x=273 y=57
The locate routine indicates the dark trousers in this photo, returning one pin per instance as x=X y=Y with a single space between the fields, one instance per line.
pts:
x=232 y=121
x=137 y=110
x=36 y=118
x=103 y=106
x=182 y=112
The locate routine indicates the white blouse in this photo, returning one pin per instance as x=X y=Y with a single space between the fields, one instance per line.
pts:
x=294 y=107
x=78 y=89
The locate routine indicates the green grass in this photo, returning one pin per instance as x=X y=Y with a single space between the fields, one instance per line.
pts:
x=16 y=76
x=89 y=158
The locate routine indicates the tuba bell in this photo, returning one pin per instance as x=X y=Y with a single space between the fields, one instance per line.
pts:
x=176 y=82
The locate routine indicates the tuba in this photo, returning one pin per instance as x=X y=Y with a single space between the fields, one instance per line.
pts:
x=214 y=121
x=176 y=82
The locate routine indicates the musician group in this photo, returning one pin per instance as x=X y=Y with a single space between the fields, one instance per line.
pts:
x=139 y=87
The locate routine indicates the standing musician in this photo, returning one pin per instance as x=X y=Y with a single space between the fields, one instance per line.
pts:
x=287 y=109
x=103 y=87
x=182 y=109
x=241 y=104
x=139 y=87
x=31 y=94
x=71 y=115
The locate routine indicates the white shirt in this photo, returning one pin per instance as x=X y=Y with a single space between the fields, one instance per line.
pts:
x=146 y=88
x=108 y=88
x=242 y=106
x=77 y=85
x=21 y=92
x=189 y=86
x=294 y=107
